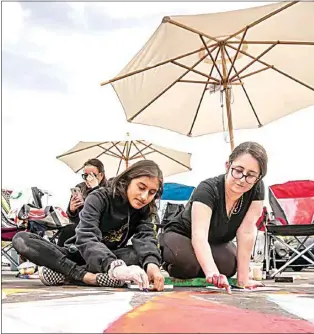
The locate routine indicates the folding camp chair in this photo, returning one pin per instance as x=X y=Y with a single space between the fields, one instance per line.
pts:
x=48 y=221
x=293 y=210
x=8 y=231
x=5 y=200
x=174 y=197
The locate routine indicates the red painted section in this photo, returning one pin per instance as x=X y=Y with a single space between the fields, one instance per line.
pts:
x=187 y=312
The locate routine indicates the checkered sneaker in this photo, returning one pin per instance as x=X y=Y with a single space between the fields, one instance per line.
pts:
x=50 y=277
x=104 y=280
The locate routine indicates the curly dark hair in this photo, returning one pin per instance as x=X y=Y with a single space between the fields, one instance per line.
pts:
x=149 y=168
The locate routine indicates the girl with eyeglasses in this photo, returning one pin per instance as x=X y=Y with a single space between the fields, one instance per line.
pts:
x=198 y=241
x=98 y=253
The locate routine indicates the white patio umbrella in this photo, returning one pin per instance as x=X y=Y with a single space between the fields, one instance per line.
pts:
x=118 y=155
x=242 y=69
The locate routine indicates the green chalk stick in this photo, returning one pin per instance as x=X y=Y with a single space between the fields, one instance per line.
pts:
x=193 y=282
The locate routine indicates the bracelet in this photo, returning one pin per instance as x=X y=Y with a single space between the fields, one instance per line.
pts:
x=114 y=264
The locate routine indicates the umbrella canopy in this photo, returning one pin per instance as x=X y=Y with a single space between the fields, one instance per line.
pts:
x=199 y=74
x=118 y=155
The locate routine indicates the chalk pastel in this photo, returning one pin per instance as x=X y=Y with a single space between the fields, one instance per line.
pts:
x=151 y=287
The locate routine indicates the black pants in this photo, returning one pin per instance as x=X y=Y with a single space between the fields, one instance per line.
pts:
x=66 y=233
x=181 y=262
x=60 y=259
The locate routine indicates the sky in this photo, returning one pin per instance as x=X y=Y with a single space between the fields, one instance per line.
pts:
x=54 y=56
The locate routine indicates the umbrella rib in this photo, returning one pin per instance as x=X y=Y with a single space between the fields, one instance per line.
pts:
x=143 y=156
x=183 y=26
x=104 y=152
x=202 y=96
x=273 y=42
x=115 y=145
x=146 y=154
x=274 y=68
x=153 y=66
x=211 y=57
x=199 y=82
x=237 y=52
x=81 y=149
x=262 y=19
x=245 y=92
x=117 y=172
x=113 y=154
x=192 y=70
x=140 y=151
x=167 y=156
x=167 y=88
x=122 y=155
x=249 y=74
x=253 y=61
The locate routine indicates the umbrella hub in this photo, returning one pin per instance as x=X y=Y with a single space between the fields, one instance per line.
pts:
x=223 y=44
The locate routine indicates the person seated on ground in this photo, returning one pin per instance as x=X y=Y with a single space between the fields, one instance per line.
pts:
x=198 y=241
x=98 y=253
x=94 y=177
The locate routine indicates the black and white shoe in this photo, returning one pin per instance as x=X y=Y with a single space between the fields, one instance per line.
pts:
x=50 y=277
x=104 y=280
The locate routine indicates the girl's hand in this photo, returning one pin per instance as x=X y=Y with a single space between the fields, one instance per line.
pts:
x=92 y=181
x=250 y=284
x=131 y=273
x=219 y=280
x=75 y=203
x=155 y=276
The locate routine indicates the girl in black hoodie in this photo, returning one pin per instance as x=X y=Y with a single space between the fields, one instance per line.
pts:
x=98 y=253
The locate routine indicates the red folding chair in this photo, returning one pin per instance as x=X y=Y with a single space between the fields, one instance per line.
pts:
x=292 y=204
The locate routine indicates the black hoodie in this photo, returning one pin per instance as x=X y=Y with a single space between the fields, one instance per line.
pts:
x=107 y=222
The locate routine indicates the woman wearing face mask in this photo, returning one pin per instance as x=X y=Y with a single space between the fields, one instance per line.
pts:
x=98 y=253
x=198 y=242
x=94 y=177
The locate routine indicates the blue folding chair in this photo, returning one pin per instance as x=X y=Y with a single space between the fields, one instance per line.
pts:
x=174 y=196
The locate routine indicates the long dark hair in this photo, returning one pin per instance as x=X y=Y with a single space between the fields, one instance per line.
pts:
x=256 y=150
x=148 y=168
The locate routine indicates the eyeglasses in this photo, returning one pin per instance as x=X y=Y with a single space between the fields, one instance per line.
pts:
x=85 y=175
x=238 y=174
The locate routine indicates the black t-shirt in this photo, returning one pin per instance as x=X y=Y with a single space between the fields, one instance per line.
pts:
x=211 y=192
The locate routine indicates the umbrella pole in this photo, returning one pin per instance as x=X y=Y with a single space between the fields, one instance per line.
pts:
x=229 y=116
x=127 y=145
x=227 y=95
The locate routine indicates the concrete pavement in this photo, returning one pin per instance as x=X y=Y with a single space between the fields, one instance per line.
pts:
x=30 y=306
